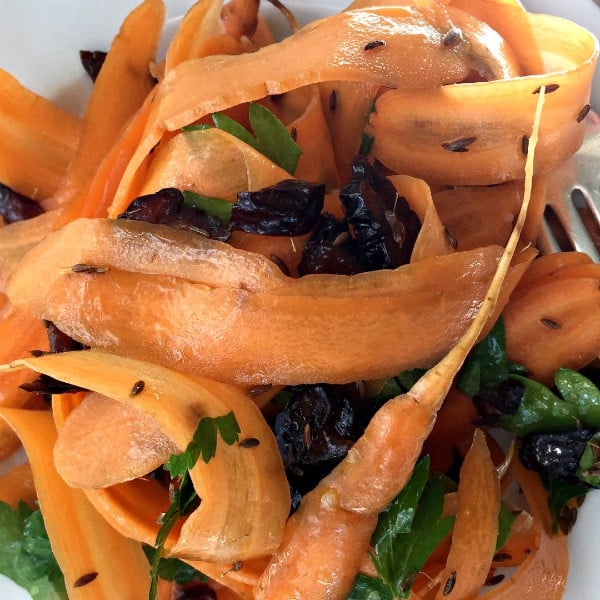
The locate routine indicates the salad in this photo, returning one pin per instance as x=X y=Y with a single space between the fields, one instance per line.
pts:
x=257 y=336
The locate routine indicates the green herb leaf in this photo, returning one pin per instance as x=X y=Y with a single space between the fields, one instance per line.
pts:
x=25 y=554
x=487 y=364
x=559 y=493
x=216 y=207
x=184 y=498
x=505 y=523
x=204 y=443
x=173 y=569
x=274 y=139
x=409 y=530
x=542 y=410
x=369 y=588
x=589 y=463
x=270 y=138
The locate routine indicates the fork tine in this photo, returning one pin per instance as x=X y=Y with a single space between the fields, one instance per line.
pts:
x=576 y=223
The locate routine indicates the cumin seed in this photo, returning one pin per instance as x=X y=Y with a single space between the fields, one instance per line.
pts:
x=525 y=145
x=374 y=44
x=257 y=390
x=281 y=264
x=550 y=323
x=84 y=268
x=495 y=579
x=236 y=566
x=583 y=113
x=137 y=389
x=459 y=144
x=502 y=557
x=333 y=102
x=450 y=583
x=452 y=37
x=249 y=443
x=85 y=579
x=451 y=239
x=551 y=87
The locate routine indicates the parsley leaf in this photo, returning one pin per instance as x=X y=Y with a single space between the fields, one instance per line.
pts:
x=407 y=533
x=173 y=569
x=184 y=497
x=204 y=443
x=506 y=520
x=25 y=553
x=559 y=493
x=215 y=207
x=271 y=138
x=369 y=588
x=541 y=410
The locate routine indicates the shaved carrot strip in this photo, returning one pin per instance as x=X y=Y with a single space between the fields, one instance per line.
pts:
x=72 y=522
x=38 y=140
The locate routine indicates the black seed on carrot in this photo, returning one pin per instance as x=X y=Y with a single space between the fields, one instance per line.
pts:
x=451 y=38
x=550 y=323
x=451 y=239
x=83 y=268
x=459 y=144
x=374 y=44
x=525 y=145
x=583 y=113
x=495 y=579
x=551 y=87
x=450 y=583
x=85 y=579
x=236 y=566
x=502 y=557
x=257 y=390
x=294 y=133
x=137 y=389
x=333 y=101
x=249 y=443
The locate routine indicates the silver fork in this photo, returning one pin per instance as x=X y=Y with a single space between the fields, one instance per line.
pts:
x=576 y=226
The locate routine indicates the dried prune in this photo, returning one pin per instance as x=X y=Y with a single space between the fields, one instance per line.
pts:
x=92 y=61
x=331 y=249
x=554 y=455
x=60 y=341
x=503 y=399
x=290 y=207
x=384 y=226
x=16 y=207
x=167 y=207
x=314 y=433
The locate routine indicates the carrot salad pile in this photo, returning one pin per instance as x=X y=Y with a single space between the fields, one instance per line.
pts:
x=264 y=306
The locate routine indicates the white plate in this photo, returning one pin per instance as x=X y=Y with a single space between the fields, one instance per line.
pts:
x=40 y=43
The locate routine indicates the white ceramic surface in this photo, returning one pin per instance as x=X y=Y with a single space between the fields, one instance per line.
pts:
x=39 y=44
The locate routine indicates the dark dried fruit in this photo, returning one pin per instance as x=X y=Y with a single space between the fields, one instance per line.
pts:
x=166 y=207
x=504 y=399
x=60 y=341
x=331 y=249
x=92 y=61
x=290 y=207
x=314 y=432
x=46 y=385
x=16 y=207
x=554 y=455
x=384 y=226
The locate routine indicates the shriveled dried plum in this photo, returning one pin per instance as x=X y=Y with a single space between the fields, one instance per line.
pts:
x=60 y=341
x=554 y=455
x=16 y=207
x=314 y=432
x=92 y=61
x=290 y=207
x=331 y=249
x=384 y=226
x=503 y=399
x=167 y=207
